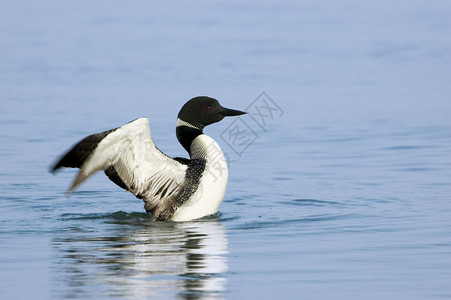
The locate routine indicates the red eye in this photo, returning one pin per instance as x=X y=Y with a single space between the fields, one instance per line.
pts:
x=208 y=108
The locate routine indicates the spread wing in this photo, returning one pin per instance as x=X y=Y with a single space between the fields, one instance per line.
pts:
x=130 y=159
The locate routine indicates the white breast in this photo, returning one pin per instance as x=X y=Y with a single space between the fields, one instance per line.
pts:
x=208 y=197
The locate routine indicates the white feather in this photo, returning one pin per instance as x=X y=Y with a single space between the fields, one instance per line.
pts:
x=137 y=161
x=212 y=187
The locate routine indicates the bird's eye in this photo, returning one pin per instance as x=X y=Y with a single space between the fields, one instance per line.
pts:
x=208 y=108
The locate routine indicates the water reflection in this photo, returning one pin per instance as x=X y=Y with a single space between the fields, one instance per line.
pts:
x=154 y=259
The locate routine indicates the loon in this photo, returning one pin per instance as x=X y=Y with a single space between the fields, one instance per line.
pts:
x=177 y=189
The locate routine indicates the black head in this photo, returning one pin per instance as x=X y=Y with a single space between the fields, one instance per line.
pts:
x=202 y=111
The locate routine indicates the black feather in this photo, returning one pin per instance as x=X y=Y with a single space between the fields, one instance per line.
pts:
x=75 y=157
x=114 y=177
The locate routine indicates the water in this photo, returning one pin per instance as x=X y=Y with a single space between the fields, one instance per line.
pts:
x=343 y=192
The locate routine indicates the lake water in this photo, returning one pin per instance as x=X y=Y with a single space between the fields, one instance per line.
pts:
x=340 y=188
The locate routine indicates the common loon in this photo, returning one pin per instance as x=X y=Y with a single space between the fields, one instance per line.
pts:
x=178 y=189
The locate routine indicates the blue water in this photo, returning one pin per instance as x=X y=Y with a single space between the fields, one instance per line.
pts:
x=339 y=189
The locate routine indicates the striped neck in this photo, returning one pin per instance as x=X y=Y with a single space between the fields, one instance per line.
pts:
x=186 y=133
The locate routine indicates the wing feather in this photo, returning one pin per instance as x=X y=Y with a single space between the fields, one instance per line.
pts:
x=139 y=164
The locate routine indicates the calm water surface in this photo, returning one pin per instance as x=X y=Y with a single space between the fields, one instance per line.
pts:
x=342 y=188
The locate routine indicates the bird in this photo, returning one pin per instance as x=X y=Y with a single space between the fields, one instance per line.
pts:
x=172 y=188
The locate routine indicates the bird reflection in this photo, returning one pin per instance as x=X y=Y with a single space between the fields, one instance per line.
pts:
x=148 y=259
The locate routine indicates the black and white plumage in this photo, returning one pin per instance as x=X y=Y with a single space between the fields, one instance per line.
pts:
x=179 y=189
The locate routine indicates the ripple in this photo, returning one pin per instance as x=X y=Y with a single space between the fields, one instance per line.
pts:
x=122 y=217
x=118 y=217
x=286 y=222
x=408 y=147
x=310 y=202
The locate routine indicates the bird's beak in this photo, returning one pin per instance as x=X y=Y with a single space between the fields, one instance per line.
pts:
x=232 y=112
